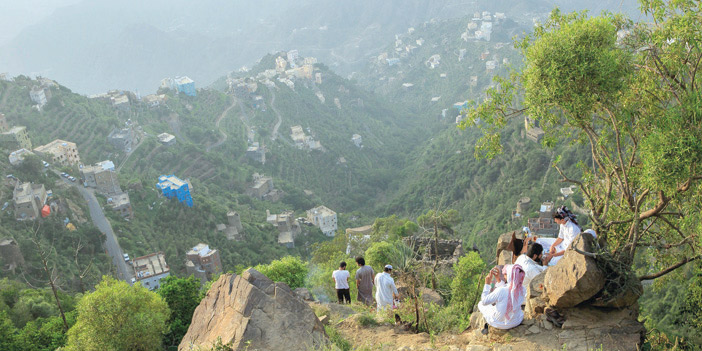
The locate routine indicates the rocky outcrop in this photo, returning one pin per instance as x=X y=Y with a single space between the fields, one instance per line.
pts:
x=304 y=294
x=575 y=288
x=576 y=277
x=252 y=312
x=449 y=251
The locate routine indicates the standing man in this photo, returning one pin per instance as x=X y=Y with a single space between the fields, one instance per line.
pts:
x=364 y=281
x=341 y=280
x=385 y=290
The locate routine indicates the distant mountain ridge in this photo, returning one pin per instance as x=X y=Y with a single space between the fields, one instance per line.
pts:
x=99 y=45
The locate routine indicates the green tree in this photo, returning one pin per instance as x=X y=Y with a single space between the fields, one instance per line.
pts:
x=466 y=280
x=289 y=270
x=46 y=334
x=635 y=103
x=182 y=296
x=379 y=254
x=392 y=228
x=8 y=333
x=117 y=316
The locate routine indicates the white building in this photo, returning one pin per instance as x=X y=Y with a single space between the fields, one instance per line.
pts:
x=166 y=139
x=150 y=269
x=324 y=219
x=293 y=55
x=38 y=95
x=16 y=157
x=357 y=140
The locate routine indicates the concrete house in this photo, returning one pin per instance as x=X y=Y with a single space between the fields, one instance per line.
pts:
x=173 y=187
x=15 y=138
x=63 y=152
x=17 y=157
x=40 y=95
x=29 y=199
x=324 y=219
x=166 y=139
x=150 y=269
x=121 y=203
x=185 y=85
x=102 y=177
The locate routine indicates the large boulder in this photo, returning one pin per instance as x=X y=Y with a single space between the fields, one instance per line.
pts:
x=304 y=294
x=576 y=277
x=252 y=312
x=431 y=296
x=535 y=305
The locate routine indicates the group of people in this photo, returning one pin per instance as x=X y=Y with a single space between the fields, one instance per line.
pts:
x=385 y=289
x=504 y=292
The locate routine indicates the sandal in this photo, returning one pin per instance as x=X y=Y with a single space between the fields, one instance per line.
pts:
x=554 y=317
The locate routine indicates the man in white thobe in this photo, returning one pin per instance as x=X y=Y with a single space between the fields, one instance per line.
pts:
x=385 y=290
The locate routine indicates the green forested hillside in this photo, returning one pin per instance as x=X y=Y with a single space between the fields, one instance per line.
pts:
x=211 y=134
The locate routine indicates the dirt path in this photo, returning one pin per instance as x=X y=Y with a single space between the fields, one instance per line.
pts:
x=548 y=169
x=219 y=119
x=141 y=141
x=274 y=134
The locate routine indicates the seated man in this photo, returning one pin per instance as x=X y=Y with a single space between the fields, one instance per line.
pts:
x=502 y=308
x=531 y=262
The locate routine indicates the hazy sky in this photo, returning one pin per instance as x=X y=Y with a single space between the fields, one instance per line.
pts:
x=15 y=15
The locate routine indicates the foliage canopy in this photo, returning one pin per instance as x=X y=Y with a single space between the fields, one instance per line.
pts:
x=630 y=93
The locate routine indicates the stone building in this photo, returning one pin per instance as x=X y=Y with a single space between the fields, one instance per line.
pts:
x=449 y=251
x=10 y=254
x=150 y=269
x=544 y=225
x=203 y=263
x=122 y=139
x=535 y=134
x=256 y=153
x=233 y=229
x=3 y=123
x=262 y=188
x=288 y=227
x=523 y=205
x=62 y=152
x=29 y=200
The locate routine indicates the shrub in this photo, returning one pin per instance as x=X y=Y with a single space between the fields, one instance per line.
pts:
x=289 y=270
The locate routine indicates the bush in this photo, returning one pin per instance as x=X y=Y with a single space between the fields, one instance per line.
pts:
x=464 y=287
x=289 y=270
x=367 y=320
x=337 y=339
x=379 y=254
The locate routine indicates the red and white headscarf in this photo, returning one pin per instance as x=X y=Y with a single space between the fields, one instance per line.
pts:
x=515 y=278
